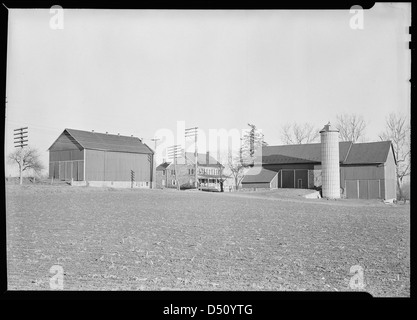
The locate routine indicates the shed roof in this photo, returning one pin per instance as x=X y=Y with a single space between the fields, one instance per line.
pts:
x=163 y=166
x=107 y=142
x=264 y=175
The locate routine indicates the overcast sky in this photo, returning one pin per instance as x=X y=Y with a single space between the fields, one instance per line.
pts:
x=138 y=71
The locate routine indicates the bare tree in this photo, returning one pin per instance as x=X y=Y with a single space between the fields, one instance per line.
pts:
x=299 y=133
x=222 y=176
x=237 y=169
x=351 y=127
x=26 y=159
x=251 y=145
x=398 y=131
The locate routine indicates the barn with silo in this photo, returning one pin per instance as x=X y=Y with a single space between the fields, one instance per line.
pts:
x=363 y=170
x=101 y=159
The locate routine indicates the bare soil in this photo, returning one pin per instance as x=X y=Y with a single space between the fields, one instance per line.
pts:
x=125 y=239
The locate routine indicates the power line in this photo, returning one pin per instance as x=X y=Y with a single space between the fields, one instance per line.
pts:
x=189 y=133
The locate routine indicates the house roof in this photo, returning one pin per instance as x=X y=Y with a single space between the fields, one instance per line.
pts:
x=371 y=152
x=163 y=166
x=202 y=159
x=349 y=153
x=264 y=175
x=107 y=142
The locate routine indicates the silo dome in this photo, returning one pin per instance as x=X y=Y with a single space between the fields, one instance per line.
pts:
x=330 y=162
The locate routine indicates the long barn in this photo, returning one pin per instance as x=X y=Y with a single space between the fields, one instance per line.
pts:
x=367 y=170
x=101 y=159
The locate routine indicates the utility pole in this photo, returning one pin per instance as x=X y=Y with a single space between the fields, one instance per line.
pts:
x=193 y=132
x=20 y=142
x=173 y=153
x=154 y=164
x=155 y=140
x=132 y=178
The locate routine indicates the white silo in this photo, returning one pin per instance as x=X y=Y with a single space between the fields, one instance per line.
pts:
x=330 y=162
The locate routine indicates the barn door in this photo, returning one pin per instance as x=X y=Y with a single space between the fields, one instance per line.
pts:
x=75 y=170
x=363 y=189
x=352 y=189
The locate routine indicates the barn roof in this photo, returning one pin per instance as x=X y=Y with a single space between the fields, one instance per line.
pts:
x=299 y=153
x=264 y=175
x=107 y=142
x=371 y=152
x=349 y=153
x=163 y=166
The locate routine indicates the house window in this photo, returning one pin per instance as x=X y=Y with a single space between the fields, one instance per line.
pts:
x=163 y=172
x=172 y=172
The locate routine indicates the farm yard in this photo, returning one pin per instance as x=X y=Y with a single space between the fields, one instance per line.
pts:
x=139 y=239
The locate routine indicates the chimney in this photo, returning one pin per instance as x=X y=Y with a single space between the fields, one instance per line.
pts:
x=208 y=157
x=92 y=130
x=118 y=134
x=106 y=132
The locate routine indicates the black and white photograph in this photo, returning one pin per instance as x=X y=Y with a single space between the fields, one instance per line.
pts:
x=208 y=150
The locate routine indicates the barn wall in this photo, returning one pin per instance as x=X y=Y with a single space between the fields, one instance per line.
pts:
x=117 y=166
x=66 y=170
x=362 y=181
x=274 y=182
x=369 y=172
x=390 y=185
x=66 y=159
x=65 y=142
x=303 y=175
x=277 y=167
x=66 y=155
x=261 y=185
x=94 y=165
x=287 y=179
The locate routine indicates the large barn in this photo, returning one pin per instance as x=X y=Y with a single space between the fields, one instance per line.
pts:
x=367 y=170
x=101 y=159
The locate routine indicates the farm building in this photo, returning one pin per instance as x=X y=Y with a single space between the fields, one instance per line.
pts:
x=367 y=170
x=208 y=174
x=100 y=159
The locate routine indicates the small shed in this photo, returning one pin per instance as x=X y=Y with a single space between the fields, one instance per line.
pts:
x=260 y=178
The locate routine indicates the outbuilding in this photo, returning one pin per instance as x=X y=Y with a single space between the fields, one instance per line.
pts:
x=260 y=178
x=101 y=159
x=367 y=170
